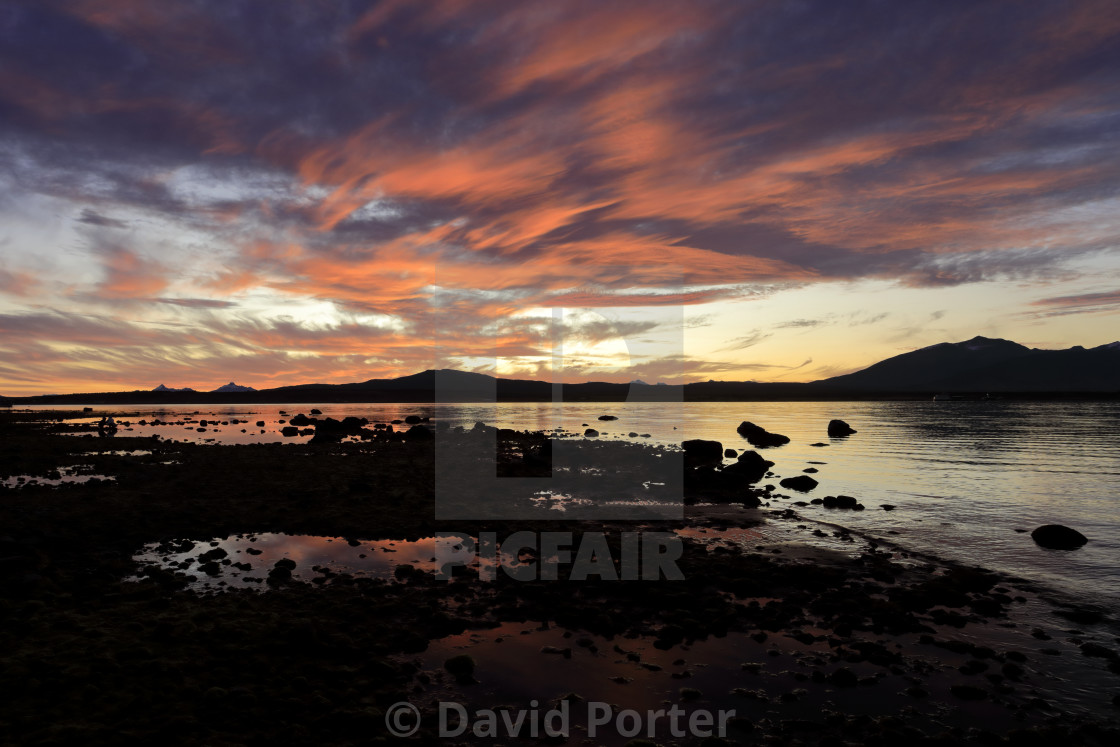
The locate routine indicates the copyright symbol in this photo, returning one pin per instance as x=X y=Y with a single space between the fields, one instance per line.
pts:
x=402 y=719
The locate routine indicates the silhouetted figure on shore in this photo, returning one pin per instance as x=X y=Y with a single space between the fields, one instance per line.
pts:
x=107 y=426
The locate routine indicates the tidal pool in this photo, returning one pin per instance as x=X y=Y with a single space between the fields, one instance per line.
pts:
x=245 y=560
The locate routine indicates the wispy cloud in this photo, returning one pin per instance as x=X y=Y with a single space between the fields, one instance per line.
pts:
x=453 y=164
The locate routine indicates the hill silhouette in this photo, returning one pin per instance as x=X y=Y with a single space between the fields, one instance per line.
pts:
x=976 y=366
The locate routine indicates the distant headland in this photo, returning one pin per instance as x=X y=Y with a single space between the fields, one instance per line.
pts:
x=973 y=368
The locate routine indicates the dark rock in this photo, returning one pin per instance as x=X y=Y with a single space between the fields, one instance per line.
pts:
x=1058 y=537
x=760 y=437
x=839 y=429
x=608 y=417
x=591 y=432
x=729 y=453
x=260 y=424
x=301 y=419
x=699 y=451
x=810 y=470
x=412 y=420
x=461 y=666
x=968 y=692
x=801 y=483
x=419 y=433
x=316 y=411
x=289 y=431
x=750 y=466
x=285 y=563
x=843 y=677
x=887 y=506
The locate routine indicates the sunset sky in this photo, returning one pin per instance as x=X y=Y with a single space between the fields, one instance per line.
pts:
x=316 y=191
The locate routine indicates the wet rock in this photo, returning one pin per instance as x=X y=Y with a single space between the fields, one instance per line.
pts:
x=699 y=451
x=1099 y=651
x=301 y=419
x=968 y=692
x=608 y=417
x=800 y=483
x=1058 y=537
x=565 y=652
x=887 y=506
x=843 y=677
x=216 y=554
x=750 y=467
x=760 y=437
x=591 y=432
x=810 y=470
x=316 y=411
x=839 y=429
x=412 y=420
x=418 y=433
x=289 y=431
x=729 y=453
x=840 y=501
x=285 y=563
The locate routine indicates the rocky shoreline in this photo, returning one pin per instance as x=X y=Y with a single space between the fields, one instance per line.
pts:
x=868 y=645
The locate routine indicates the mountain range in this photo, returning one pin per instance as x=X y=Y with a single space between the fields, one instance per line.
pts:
x=230 y=387
x=977 y=366
x=989 y=365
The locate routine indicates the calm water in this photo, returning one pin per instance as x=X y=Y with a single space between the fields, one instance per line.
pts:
x=963 y=475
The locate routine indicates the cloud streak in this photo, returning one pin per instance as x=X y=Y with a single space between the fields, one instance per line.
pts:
x=449 y=165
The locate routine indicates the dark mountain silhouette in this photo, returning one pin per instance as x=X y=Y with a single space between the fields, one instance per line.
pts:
x=231 y=387
x=983 y=364
x=977 y=366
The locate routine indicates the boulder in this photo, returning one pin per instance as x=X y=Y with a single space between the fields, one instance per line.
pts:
x=316 y=411
x=289 y=431
x=418 y=433
x=750 y=466
x=1058 y=537
x=260 y=424
x=591 y=432
x=301 y=419
x=839 y=429
x=608 y=417
x=801 y=483
x=412 y=419
x=699 y=451
x=729 y=453
x=760 y=437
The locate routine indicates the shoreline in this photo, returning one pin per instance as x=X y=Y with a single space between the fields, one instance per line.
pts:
x=66 y=550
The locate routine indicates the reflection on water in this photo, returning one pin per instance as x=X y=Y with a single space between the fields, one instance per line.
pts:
x=77 y=474
x=244 y=560
x=964 y=476
x=762 y=680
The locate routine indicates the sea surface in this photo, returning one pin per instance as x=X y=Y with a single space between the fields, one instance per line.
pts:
x=964 y=476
